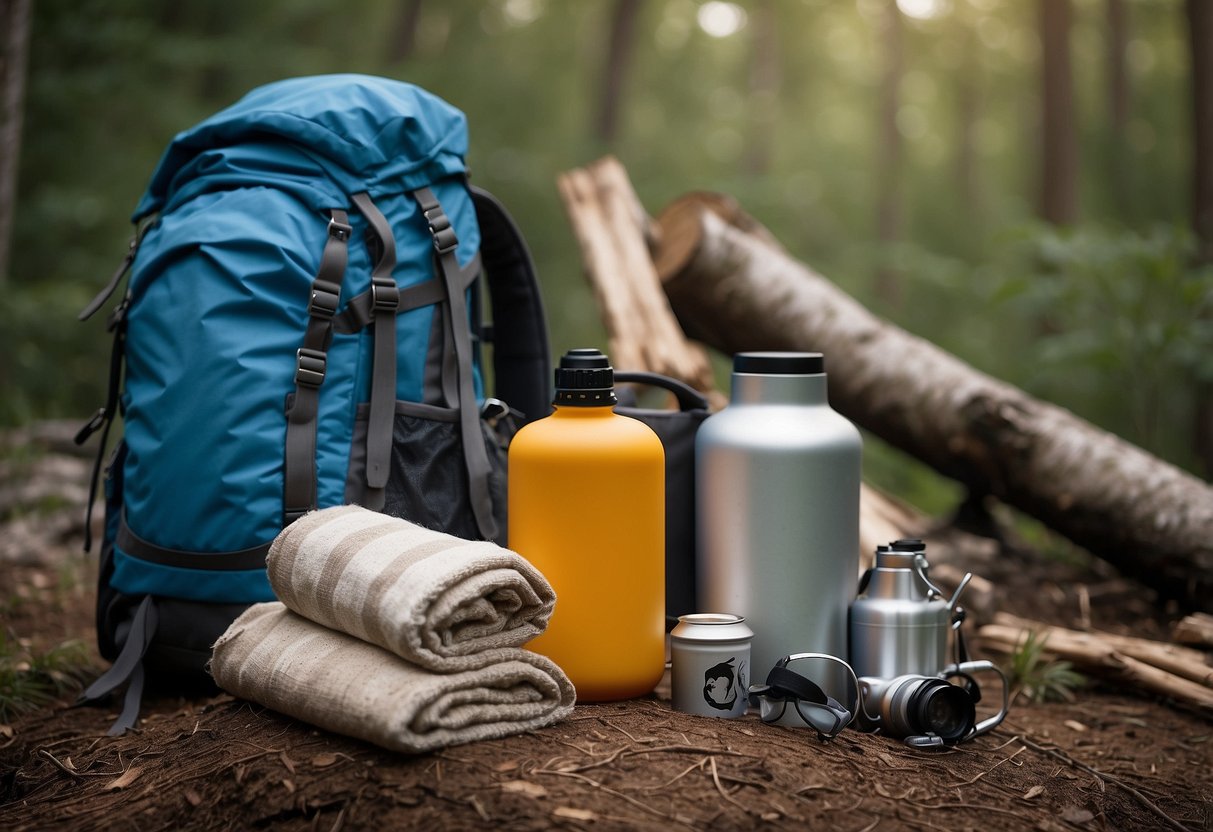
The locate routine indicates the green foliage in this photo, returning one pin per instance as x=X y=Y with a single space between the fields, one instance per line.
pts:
x=1104 y=319
x=1114 y=324
x=1029 y=673
x=29 y=679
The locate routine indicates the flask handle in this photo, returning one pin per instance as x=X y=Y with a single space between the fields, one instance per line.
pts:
x=981 y=666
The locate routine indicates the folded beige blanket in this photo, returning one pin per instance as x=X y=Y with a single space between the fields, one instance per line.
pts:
x=283 y=661
x=437 y=601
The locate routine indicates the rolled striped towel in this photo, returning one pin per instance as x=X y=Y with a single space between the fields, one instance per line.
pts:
x=283 y=661
x=437 y=601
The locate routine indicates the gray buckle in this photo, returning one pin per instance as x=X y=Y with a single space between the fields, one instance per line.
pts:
x=340 y=230
x=324 y=300
x=445 y=239
x=310 y=367
x=385 y=296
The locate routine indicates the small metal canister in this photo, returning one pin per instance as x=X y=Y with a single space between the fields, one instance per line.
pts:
x=710 y=664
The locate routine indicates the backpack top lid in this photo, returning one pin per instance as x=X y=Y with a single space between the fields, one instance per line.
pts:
x=364 y=133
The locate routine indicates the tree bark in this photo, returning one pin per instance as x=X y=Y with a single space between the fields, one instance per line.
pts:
x=1153 y=521
x=16 y=16
x=1059 y=139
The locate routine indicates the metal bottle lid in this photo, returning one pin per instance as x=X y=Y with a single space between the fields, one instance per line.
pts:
x=780 y=363
x=711 y=627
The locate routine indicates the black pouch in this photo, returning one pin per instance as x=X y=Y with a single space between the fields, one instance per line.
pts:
x=427 y=482
x=676 y=429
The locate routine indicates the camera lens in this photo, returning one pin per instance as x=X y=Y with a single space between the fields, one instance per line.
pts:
x=942 y=708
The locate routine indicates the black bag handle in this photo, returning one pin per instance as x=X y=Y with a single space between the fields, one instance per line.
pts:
x=522 y=363
x=688 y=397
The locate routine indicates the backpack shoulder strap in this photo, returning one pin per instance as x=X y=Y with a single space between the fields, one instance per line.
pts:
x=522 y=363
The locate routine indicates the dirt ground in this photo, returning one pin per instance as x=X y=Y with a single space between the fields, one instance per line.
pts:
x=1110 y=760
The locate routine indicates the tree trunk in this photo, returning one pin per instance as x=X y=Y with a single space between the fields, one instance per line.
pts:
x=619 y=51
x=1118 y=168
x=888 y=205
x=1200 y=32
x=968 y=95
x=1153 y=521
x=15 y=14
x=404 y=34
x=764 y=89
x=1059 y=148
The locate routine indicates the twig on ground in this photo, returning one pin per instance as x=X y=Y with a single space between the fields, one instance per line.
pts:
x=1058 y=754
x=984 y=773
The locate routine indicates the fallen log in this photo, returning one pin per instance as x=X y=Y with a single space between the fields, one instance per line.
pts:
x=615 y=235
x=735 y=291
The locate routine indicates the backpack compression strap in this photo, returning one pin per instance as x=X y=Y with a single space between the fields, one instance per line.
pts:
x=311 y=361
x=475 y=455
x=385 y=300
x=522 y=363
x=128 y=667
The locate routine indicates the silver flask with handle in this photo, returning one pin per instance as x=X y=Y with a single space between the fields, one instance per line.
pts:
x=777 y=511
x=900 y=620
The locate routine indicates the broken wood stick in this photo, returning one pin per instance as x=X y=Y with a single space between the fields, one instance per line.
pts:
x=735 y=291
x=610 y=225
x=1173 y=658
x=1195 y=629
x=1097 y=656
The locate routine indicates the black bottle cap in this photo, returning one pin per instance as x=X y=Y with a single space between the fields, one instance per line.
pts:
x=908 y=544
x=585 y=379
x=780 y=363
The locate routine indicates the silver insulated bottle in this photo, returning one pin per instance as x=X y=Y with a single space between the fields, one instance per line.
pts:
x=900 y=620
x=777 y=511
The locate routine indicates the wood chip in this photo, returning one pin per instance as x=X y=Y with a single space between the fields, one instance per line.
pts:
x=323 y=760
x=1033 y=792
x=574 y=814
x=525 y=787
x=1074 y=725
x=123 y=780
x=193 y=798
x=1077 y=815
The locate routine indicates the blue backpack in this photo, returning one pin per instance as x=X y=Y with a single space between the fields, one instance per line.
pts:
x=301 y=328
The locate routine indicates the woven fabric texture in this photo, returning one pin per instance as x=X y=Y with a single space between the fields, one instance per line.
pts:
x=437 y=601
x=333 y=680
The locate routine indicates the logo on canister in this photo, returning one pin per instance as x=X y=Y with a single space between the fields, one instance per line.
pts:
x=710 y=664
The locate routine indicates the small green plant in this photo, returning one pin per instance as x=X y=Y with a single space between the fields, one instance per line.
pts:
x=31 y=679
x=1040 y=680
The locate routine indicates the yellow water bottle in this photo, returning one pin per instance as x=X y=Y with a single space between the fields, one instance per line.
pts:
x=587 y=508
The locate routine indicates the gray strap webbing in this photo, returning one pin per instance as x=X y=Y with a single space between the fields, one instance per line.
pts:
x=385 y=299
x=358 y=313
x=475 y=454
x=127 y=668
x=311 y=361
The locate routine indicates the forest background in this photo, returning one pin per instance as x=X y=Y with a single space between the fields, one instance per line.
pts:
x=1027 y=184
